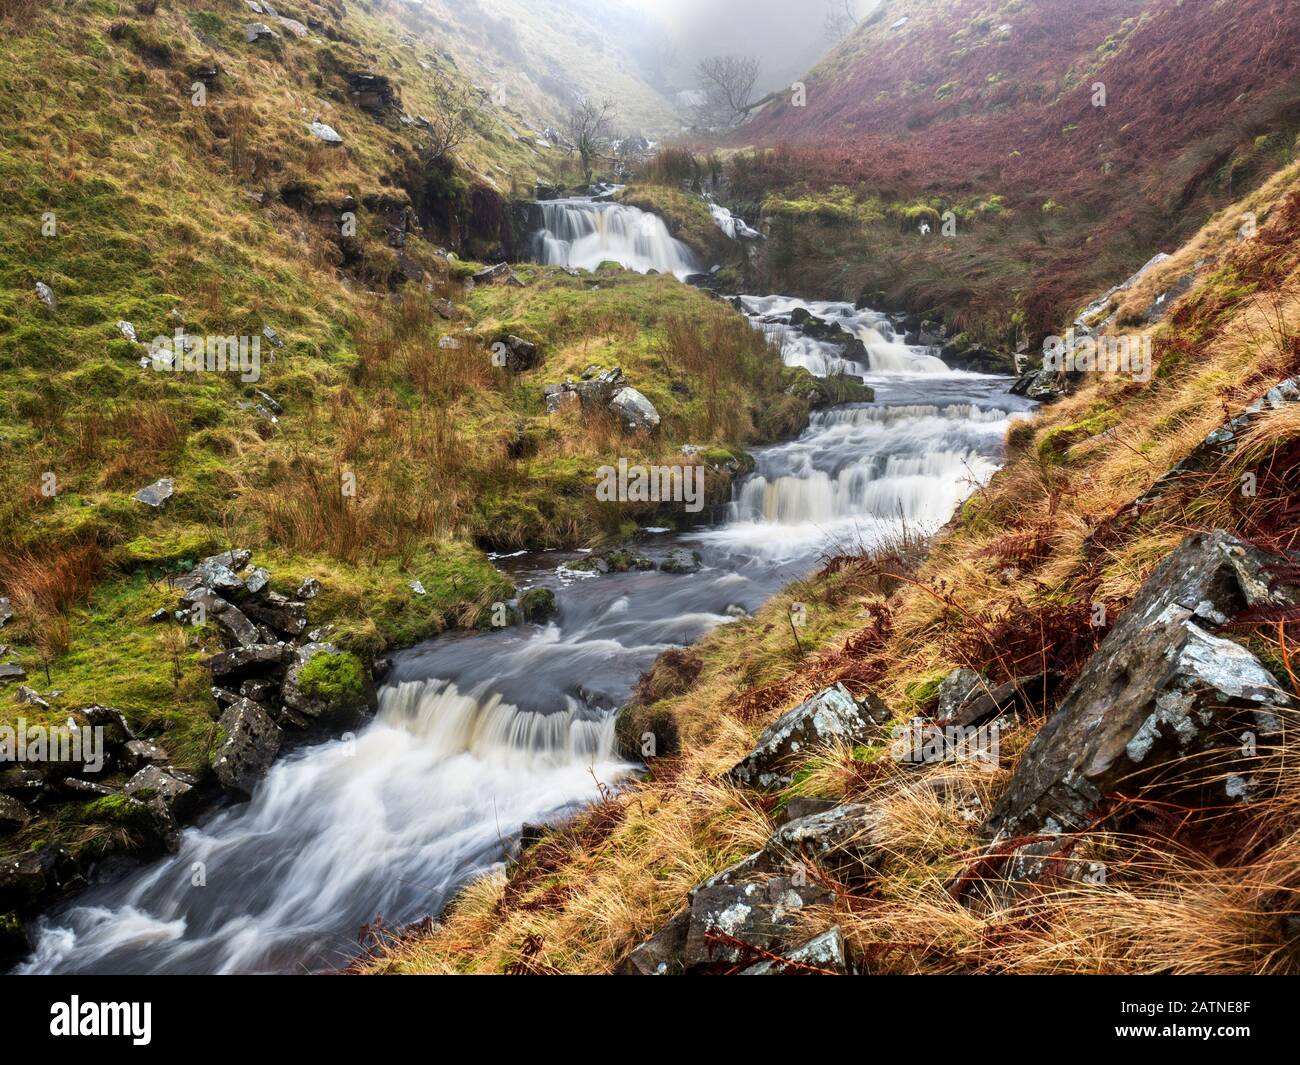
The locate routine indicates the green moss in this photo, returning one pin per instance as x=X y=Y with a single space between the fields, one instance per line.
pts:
x=338 y=680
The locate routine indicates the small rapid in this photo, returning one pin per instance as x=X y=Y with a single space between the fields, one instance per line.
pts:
x=478 y=734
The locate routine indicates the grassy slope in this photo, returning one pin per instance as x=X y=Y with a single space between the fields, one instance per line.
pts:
x=1008 y=588
x=952 y=107
x=173 y=214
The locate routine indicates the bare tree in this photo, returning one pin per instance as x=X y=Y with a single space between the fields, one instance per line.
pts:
x=588 y=129
x=841 y=18
x=450 y=123
x=728 y=84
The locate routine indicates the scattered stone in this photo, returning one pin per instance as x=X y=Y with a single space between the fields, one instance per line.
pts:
x=830 y=715
x=293 y=26
x=31 y=697
x=6 y=612
x=287 y=616
x=372 y=92
x=822 y=955
x=258 y=581
x=258 y=31
x=1022 y=695
x=127 y=331
x=847 y=841
x=954 y=690
x=160 y=615
x=242 y=662
x=417 y=588
x=515 y=353
x=537 y=604
x=166 y=790
x=13 y=814
x=47 y=297
x=12 y=671
x=680 y=560
x=728 y=918
x=322 y=132
x=501 y=274
x=635 y=413
x=309 y=589
x=139 y=754
x=236 y=629
x=156 y=495
x=251 y=740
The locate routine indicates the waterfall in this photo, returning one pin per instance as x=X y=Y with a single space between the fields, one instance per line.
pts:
x=585 y=233
x=389 y=822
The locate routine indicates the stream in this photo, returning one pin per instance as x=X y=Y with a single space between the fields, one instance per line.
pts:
x=477 y=734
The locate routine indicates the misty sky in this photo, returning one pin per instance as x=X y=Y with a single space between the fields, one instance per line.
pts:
x=787 y=35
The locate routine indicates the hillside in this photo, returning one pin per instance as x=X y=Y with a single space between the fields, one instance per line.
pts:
x=997 y=112
x=1188 y=883
x=165 y=182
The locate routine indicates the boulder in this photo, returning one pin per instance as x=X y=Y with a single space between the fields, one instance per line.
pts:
x=163 y=790
x=537 y=604
x=258 y=31
x=726 y=919
x=243 y=662
x=1164 y=703
x=501 y=274
x=634 y=412
x=220 y=573
x=140 y=754
x=12 y=671
x=309 y=589
x=680 y=560
x=293 y=26
x=372 y=92
x=325 y=133
x=661 y=954
x=1044 y=384
x=155 y=496
x=46 y=295
x=288 y=616
x=823 y=955
x=13 y=814
x=515 y=353
x=955 y=689
x=829 y=716
x=344 y=699
x=250 y=742
x=236 y=629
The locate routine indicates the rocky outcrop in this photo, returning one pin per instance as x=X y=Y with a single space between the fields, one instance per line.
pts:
x=1164 y=703
x=830 y=716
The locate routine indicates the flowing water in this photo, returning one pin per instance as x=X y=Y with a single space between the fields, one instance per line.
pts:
x=478 y=734
x=582 y=234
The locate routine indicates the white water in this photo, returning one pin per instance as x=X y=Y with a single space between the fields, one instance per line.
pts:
x=478 y=734
x=585 y=233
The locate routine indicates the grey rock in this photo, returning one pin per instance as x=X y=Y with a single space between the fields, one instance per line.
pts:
x=727 y=919
x=680 y=560
x=166 y=791
x=295 y=698
x=242 y=662
x=138 y=754
x=829 y=716
x=156 y=495
x=803 y=806
x=13 y=814
x=30 y=697
x=288 y=616
x=326 y=133
x=258 y=31
x=46 y=296
x=501 y=274
x=6 y=612
x=634 y=412
x=1161 y=692
x=127 y=332
x=293 y=26
x=822 y=955
x=954 y=690
x=250 y=742
x=309 y=589
x=258 y=581
x=661 y=954
x=236 y=630
x=516 y=353
x=12 y=671
x=846 y=841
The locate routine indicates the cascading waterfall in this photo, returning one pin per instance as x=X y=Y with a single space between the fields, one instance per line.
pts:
x=585 y=233
x=388 y=823
x=478 y=734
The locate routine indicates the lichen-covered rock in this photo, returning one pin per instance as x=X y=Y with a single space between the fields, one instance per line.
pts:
x=728 y=918
x=250 y=742
x=157 y=786
x=822 y=955
x=236 y=629
x=1163 y=704
x=537 y=604
x=242 y=662
x=832 y=715
x=13 y=814
x=846 y=841
x=680 y=560
x=955 y=689
x=284 y=615
x=155 y=496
